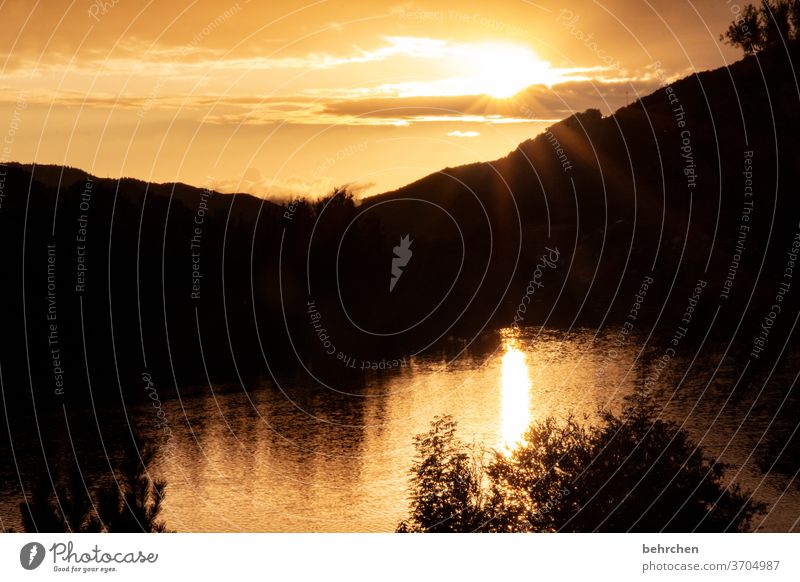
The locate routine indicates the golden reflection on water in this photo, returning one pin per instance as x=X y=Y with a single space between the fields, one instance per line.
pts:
x=515 y=387
x=323 y=461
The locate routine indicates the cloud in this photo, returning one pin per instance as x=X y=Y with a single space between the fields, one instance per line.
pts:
x=537 y=103
x=458 y=133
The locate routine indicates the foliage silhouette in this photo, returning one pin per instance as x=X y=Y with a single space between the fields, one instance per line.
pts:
x=772 y=24
x=447 y=494
x=132 y=504
x=68 y=510
x=630 y=472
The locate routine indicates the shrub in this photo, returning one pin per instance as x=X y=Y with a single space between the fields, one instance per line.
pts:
x=629 y=472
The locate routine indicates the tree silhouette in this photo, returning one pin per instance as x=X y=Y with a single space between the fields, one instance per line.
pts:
x=776 y=20
x=532 y=487
x=629 y=472
x=794 y=16
x=446 y=483
x=130 y=505
x=745 y=32
x=772 y=24
x=136 y=504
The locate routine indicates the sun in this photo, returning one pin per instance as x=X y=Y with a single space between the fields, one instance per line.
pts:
x=501 y=70
x=498 y=70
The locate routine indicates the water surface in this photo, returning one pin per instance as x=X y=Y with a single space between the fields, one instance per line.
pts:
x=296 y=456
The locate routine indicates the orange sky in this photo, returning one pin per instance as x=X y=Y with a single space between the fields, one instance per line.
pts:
x=287 y=98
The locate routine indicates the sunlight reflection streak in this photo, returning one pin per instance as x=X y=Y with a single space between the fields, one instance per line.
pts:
x=515 y=385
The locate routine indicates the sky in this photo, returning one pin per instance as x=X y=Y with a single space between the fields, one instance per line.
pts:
x=286 y=99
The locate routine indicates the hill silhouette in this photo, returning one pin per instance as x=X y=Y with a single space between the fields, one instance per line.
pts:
x=255 y=288
x=656 y=189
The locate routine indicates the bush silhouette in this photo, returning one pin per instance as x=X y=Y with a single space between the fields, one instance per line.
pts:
x=68 y=510
x=447 y=494
x=629 y=472
x=130 y=505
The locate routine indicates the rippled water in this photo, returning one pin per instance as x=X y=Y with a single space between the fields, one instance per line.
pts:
x=305 y=458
